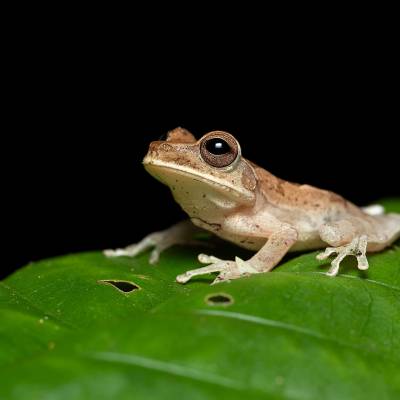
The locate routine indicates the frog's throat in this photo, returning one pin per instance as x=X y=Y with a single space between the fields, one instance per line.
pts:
x=224 y=186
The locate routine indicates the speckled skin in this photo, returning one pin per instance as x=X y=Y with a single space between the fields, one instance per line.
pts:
x=246 y=205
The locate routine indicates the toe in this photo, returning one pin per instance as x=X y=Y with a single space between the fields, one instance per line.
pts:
x=154 y=256
x=205 y=259
x=328 y=251
x=362 y=263
x=114 y=253
x=333 y=270
x=183 y=278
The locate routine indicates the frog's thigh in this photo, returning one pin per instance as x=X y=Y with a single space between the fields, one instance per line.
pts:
x=338 y=233
x=342 y=232
x=386 y=232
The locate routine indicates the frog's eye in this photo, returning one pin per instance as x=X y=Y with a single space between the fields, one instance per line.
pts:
x=219 y=149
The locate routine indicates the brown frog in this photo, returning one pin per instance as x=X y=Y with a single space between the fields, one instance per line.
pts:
x=235 y=199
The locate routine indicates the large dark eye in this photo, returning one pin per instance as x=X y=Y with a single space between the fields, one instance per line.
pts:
x=219 y=149
x=217 y=146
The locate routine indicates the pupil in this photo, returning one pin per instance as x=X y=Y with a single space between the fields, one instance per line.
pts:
x=217 y=146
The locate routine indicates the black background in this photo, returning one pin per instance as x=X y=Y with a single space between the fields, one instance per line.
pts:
x=83 y=111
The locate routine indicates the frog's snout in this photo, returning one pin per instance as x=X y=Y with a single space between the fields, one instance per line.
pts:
x=152 y=152
x=157 y=150
x=153 y=149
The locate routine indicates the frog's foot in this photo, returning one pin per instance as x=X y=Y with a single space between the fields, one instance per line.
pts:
x=155 y=240
x=357 y=248
x=180 y=233
x=227 y=269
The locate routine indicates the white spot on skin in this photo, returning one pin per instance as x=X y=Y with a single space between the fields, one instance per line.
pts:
x=374 y=209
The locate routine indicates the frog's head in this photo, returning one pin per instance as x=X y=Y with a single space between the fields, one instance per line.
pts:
x=211 y=167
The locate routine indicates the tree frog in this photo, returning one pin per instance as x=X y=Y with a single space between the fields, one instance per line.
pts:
x=224 y=193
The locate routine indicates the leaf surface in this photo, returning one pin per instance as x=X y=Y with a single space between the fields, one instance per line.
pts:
x=291 y=334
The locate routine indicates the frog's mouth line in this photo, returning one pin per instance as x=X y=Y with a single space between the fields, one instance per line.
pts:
x=188 y=172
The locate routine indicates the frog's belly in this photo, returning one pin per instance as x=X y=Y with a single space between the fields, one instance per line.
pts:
x=308 y=244
x=306 y=241
x=247 y=242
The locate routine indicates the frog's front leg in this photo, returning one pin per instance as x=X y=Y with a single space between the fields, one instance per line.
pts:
x=227 y=269
x=180 y=233
x=264 y=260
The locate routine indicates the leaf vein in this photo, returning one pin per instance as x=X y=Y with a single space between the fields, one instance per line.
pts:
x=371 y=281
x=289 y=327
x=166 y=367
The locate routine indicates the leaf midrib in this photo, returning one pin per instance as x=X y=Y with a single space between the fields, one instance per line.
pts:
x=293 y=328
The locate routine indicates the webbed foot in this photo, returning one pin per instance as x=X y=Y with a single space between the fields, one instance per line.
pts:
x=227 y=269
x=357 y=247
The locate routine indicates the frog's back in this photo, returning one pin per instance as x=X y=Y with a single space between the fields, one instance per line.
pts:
x=303 y=198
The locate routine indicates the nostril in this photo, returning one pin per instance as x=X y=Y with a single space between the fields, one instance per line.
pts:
x=158 y=148
x=153 y=146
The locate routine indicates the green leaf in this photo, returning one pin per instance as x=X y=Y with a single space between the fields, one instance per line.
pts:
x=66 y=333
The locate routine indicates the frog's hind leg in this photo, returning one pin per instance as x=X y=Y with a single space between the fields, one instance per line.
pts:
x=355 y=236
x=387 y=232
x=347 y=238
x=357 y=247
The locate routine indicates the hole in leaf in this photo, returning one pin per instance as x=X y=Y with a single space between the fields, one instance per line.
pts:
x=219 y=299
x=122 y=286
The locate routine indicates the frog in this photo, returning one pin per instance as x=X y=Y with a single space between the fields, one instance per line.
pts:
x=235 y=199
